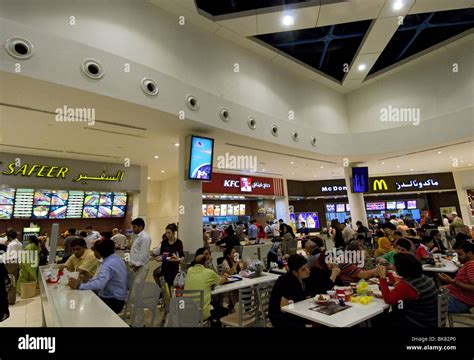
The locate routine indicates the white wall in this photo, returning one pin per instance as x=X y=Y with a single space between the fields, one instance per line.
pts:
x=429 y=85
x=464 y=180
x=143 y=33
x=162 y=207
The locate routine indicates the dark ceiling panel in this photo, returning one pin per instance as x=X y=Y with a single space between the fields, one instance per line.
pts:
x=422 y=31
x=223 y=7
x=325 y=48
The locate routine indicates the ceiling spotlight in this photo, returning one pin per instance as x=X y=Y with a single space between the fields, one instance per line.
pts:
x=440 y=152
x=398 y=166
x=322 y=167
x=383 y=163
x=315 y=176
x=470 y=165
x=176 y=144
x=412 y=169
x=162 y=171
x=362 y=67
x=288 y=20
x=149 y=178
x=157 y=157
x=292 y=173
x=398 y=5
x=462 y=161
x=263 y=169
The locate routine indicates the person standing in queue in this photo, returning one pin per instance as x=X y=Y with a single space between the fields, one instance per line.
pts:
x=111 y=282
x=172 y=253
x=139 y=258
x=14 y=247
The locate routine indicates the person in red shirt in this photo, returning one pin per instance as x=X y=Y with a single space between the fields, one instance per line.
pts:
x=424 y=251
x=414 y=297
x=461 y=288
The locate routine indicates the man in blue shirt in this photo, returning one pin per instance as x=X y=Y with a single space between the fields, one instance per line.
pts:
x=111 y=282
x=253 y=230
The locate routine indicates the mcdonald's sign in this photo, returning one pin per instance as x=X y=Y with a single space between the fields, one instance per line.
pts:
x=379 y=185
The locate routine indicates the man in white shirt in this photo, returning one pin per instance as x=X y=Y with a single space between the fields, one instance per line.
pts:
x=119 y=239
x=92 y=237
x=139 y=258
x=347 y=233
x=13 y=247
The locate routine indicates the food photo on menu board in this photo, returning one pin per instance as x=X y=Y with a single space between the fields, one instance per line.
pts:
x=120 y=199
x=200 y=163
x=411 y=204
x=92 y=199
x=224 y=209
x=118 y=211
x=58 y=212
x=204 y=210
x=401 y=205
x=340 y=207
x=217 y=210
x=59 y=198
x=330 y=208
x=90 y=212
x=104 y=212
x=242 y=209
x=105 y=199
x=41 y=211
x=7 y=197
x=210 y=210
x=236 y=210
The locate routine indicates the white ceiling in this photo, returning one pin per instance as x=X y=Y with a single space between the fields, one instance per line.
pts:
x=241 y=27
x=126 y=130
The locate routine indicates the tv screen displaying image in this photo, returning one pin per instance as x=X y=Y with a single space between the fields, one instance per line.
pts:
x=105 y=199
x=6 y=212
x=59 y=198
x=391 y=205
x=118 y=211
x=7 y=197
x=411 y=204
x=40 y=212
x=120 y=199
x=42 y=197
x=348 y=208
x=224 y=210
x=330 y=208
x=375 y=206
x=91 y=199
x=360 y=179
x=105 y=212
x=90 y=212
x=200 y=158
x=58 y=212
x=340 y=207
x=401 y=205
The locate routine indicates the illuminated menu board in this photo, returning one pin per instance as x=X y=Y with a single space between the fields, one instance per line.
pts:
x=224 y=209
x=411 y=204
x=330 y=208
x=75 y=205
x=24 y=199
x=391 y=205
x=7 y=199
x=340 y=207
x=204 y=210
x=375 y=205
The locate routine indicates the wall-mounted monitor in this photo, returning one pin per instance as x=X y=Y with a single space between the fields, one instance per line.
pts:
x=391 y=205
x=201 y=158
x=348 y=208
x=360 y=179
x=330 y=208
x=340 y=208
x=375 y=205
x=401 y=205
x=411 y=204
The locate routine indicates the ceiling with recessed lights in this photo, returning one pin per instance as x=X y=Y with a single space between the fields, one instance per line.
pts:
x=341 y=44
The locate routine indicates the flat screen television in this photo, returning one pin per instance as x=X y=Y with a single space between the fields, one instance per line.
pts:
x=401 y=205
x=391 y=205
x=330 y=208
x=340 y=208
x=375 y=205
x=201 y=158
x=411 y=204
x=360 y=179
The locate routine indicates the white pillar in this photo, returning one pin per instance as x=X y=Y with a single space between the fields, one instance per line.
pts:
x=282 y=205
x=140 y=199
x=356 y=200
x=190 y=203
x=462 y=197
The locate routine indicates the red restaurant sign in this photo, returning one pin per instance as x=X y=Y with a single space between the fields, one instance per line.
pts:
x=243 y=185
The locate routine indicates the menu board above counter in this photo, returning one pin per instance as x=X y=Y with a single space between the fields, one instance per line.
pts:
x=61 y=204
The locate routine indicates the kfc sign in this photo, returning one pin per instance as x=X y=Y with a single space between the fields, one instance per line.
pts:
x=234 y=184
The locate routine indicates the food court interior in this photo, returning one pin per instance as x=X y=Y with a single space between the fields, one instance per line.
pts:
x=269 y=160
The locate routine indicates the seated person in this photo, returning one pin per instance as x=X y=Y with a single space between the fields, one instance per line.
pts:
x=352 y=272
x=313 y=252
x=111 y=282
x=323 y=276
x=461 y=288
x=230 y=239
x=401 y=246
x=231 y=264
x=82 y=259
x=201 y=278
x=275 y=255
x=416 y=292
x=437 y=240
x=425 y=249
x=289 y=288
x=384 y=246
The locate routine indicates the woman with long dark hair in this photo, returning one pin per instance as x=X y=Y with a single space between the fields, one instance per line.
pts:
x=172 y=254
x=336 y=234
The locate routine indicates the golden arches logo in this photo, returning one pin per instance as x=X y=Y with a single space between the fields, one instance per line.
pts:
x=379 y=185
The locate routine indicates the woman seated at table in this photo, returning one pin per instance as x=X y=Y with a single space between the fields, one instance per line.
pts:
x=275 y=255
x=230 y=239
x=384 y=247
x=231 y=264
x=437 y=241
x=289 y=288
x=415 y=297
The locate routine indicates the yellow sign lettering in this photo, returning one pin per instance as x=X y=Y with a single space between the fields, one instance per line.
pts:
x=379 y=185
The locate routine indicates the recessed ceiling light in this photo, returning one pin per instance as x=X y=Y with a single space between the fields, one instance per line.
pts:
x=398 y=5
x=263 y=169
x=315 y=175
x=149 y=178
x=292 y=162
x=176 y=144
x=288 y=20
x=412 y=169
x=462 y=161
x=398 y=166
x=162 y=171
x=450 y=157
x=157 y=157
x=383 y=163
x=292 y=173
x=440 y=152
x=362 y=67
x=322 y=167
x=470 y=165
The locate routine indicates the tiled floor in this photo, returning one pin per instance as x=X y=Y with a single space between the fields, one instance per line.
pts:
x=25 y=313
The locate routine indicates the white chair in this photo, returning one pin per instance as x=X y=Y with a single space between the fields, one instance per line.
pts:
x=264 y=292
x=247 y=310
x=186 y=309
x=443 y=308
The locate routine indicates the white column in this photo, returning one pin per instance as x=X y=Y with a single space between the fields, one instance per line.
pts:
x=356 y=200
x=462 y=197
x=190 y=203
x=282 y=205
x=140 y=199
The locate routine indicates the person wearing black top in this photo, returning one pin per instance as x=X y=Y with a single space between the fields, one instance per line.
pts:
x=172 y=253
x=288 y=288
x=230 y=240
x=438 y=243
x=4 y=280
x=388 y=224
x=323 y=276
x=336 y=234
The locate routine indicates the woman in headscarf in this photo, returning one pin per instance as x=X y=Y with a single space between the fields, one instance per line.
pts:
x=384 y=247
x=29 y=270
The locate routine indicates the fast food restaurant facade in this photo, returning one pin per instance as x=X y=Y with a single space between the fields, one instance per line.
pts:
x=73 y=193
x=415 y=195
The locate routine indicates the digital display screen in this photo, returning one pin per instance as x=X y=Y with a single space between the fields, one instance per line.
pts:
x=7 y=197
x=75 y=205
x=348 y=208
x=360 y=179
x=236 y=210
x=92 y=199
x=58 y=212
x=90 y=212
x=59 y=198
x=375 y=206
x=6 y=212
x=224 y=209
x=210 y=210
x=24 y=203
x=340 y=207
x=242 y=209
x=120 y=199
x=330 y=208
x=401 y=205
x=204 y=210
x=200 y=158
x=118 y=211
x=40 y=211
x=105 y=199
x=411 y=204
x=217 y=210
x=42 y=197
x=391 y=205
x=105 y=212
